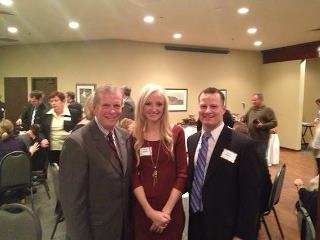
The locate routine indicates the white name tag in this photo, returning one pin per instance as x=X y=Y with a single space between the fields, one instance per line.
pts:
x=66 y=118
x=229 y=155
x=145 y=151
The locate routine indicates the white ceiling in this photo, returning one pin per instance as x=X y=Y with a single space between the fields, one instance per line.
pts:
x=213 y=23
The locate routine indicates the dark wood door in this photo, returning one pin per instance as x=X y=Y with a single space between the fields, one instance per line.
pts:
x=16 y=96
x=44 y=84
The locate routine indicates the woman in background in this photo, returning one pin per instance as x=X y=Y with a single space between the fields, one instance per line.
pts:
x=161 y=169
x=56 y=125
x=10 y=142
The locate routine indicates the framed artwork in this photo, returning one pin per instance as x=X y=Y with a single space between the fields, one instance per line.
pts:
x=178 y=99
x=84 y=91
x=224 y=91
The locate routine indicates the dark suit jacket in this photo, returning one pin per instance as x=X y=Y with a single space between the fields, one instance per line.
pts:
x=231 y=192
x=26 y=116
x=128 y=109
x=94 y=191
x=78 y=109
x=2 y=109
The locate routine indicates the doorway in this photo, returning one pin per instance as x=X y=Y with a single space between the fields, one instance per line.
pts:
x=44 y=84
x=16 y=96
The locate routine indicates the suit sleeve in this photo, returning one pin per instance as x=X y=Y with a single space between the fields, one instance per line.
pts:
x=74 y=190
x=249 y=193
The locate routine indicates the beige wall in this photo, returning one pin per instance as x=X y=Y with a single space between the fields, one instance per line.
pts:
x=311 y=92
x=135 y=64
x=282 y=85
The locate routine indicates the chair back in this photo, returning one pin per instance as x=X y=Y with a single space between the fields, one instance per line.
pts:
x=277 y=187
x=55 y=180
x=306 y=227
x=18 y=222
x=15 y=170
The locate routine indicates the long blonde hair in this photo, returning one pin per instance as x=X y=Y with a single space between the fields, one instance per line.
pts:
x=166 y=138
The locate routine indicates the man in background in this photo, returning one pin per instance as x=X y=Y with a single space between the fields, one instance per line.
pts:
x=33 y=112
x=70 y=97
x=260 y=119
x=2 y=108
x=128 y=104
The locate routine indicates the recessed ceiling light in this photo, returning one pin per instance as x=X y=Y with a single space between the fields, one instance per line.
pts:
x=74 y=25
x=6 y=2
x=257 y=43
x=148 y=19
x=251 y=30
x=12 y=29
x=177 y=35
x=243 y=10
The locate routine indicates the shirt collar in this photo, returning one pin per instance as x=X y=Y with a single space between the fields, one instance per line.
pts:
x=215 y=133
x=102 y=129
x=66 y=111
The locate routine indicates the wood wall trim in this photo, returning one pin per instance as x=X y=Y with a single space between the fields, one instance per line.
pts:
x=294 y=52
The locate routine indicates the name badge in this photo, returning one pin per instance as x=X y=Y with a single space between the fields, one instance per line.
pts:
x=228 y=155
x=145 y=151
x=66 y=118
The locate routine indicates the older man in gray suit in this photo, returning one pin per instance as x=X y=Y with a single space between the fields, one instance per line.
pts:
x=95 y=173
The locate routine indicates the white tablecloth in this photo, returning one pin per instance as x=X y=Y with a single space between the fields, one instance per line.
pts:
x=185 y=203
x=273 y=151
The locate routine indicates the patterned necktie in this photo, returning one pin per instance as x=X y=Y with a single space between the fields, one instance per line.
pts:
x=198 y=179
x=114 y=149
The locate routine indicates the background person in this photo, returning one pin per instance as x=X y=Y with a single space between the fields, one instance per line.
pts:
x=33 y=112
x=128 y=109
x=70 y=98
x=2 y=108
x=161 y=169
x=56 y=125
x=260 y=120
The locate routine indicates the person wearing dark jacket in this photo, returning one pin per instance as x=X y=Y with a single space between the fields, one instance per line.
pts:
x=223 y=177
x=72 y=104
x=56 y=125
x=33 y=111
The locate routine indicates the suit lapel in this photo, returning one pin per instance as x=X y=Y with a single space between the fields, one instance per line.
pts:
x=223 y=141
x=122 y=144
x=103 y=146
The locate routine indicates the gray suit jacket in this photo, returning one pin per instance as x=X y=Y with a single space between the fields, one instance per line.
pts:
x=94 y=191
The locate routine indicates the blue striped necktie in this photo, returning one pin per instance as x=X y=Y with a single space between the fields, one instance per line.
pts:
x=198 y=179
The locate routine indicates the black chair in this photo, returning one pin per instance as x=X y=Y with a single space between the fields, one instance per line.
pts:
x=58 y=210
x=274 y=199
x=306 y=227
x=18 y=222
x=39 y=177
x=15 y=173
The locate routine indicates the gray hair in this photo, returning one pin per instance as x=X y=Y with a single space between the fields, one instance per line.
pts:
x=103 y=90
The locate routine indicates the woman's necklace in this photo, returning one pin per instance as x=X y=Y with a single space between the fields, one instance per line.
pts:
x=155 y=164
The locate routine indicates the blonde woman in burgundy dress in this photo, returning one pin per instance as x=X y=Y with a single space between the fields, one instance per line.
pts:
x=161 y=169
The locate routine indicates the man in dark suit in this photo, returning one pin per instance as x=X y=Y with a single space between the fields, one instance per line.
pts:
x=2 y=109
x=128 y=104
x=95 y=172
x=223 y=177
x=33 y=112
x=70 y=96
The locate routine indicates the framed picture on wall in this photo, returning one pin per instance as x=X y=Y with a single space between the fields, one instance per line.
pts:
x=224 y=91
x=83 y=91
x=178 y=99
